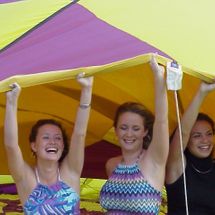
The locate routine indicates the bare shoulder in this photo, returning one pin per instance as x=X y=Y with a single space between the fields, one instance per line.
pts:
x=112 y=163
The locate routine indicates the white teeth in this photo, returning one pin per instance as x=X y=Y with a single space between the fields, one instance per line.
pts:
x=51 y=150
x=129 y=141
x=204 y=147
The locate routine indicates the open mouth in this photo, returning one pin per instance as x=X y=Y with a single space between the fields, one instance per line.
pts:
x=52 y=150
x=130 y=141
x=205 y=148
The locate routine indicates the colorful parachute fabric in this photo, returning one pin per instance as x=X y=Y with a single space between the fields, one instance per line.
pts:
x=44 y=44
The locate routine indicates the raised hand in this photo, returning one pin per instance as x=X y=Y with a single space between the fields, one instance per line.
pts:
x=14 y=93
x=157 y=69
x=84 y=81
x=207 y=87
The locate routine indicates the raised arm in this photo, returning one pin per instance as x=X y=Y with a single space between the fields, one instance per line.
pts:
x=14 y=154
x=159 y=147
x=174 y=164
x=75 y=158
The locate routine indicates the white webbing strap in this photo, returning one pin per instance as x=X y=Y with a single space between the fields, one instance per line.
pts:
x=182 y=152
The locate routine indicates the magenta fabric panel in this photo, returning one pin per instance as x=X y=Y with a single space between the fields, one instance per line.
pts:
x=8 y=1
x=8 y=188
x=72 y=38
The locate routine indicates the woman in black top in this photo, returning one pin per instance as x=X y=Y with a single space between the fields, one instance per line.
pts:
x=198 y=141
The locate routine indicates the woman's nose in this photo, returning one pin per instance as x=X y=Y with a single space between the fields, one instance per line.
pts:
x=129 y=132
x=52 y=140
x=205 y=138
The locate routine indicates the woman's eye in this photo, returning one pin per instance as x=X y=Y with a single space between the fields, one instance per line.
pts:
x=123 y=127
x=58 y=138
x=136 y=128
x=196 y=136
x=45 y=137
x=210 y=134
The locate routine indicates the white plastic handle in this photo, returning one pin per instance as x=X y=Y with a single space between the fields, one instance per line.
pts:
x=174 y=76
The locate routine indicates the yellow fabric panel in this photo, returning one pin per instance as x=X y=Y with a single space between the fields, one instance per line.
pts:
x=53 y=76
x=6 y=179
x=18 y=17
x=128 y=80
x=185 y=30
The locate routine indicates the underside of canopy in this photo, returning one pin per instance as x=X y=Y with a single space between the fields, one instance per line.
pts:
x=47 y=43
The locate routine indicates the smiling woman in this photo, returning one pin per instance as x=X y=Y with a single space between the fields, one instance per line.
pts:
x=199 y=171
x=58 y=144
x=136 y=178
x=56 y=177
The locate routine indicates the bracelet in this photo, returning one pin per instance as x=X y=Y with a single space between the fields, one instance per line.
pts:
x=84 y=105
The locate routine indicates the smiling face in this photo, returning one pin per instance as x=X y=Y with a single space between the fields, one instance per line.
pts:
x=130 y=131
x=48 y=144
x=201 y=139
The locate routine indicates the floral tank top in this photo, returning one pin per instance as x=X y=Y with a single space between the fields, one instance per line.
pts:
x=58 y=199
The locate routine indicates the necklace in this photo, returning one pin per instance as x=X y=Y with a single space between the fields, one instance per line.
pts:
x=202 y=172
x=136 y=161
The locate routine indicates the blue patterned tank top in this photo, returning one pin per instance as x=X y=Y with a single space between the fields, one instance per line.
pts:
x=127 y=192
x=58 y=199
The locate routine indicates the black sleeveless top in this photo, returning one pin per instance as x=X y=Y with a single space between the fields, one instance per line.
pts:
x=200 y=181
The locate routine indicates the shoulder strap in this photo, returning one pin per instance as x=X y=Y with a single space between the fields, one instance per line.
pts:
x=59 y=178
x=37 y=175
